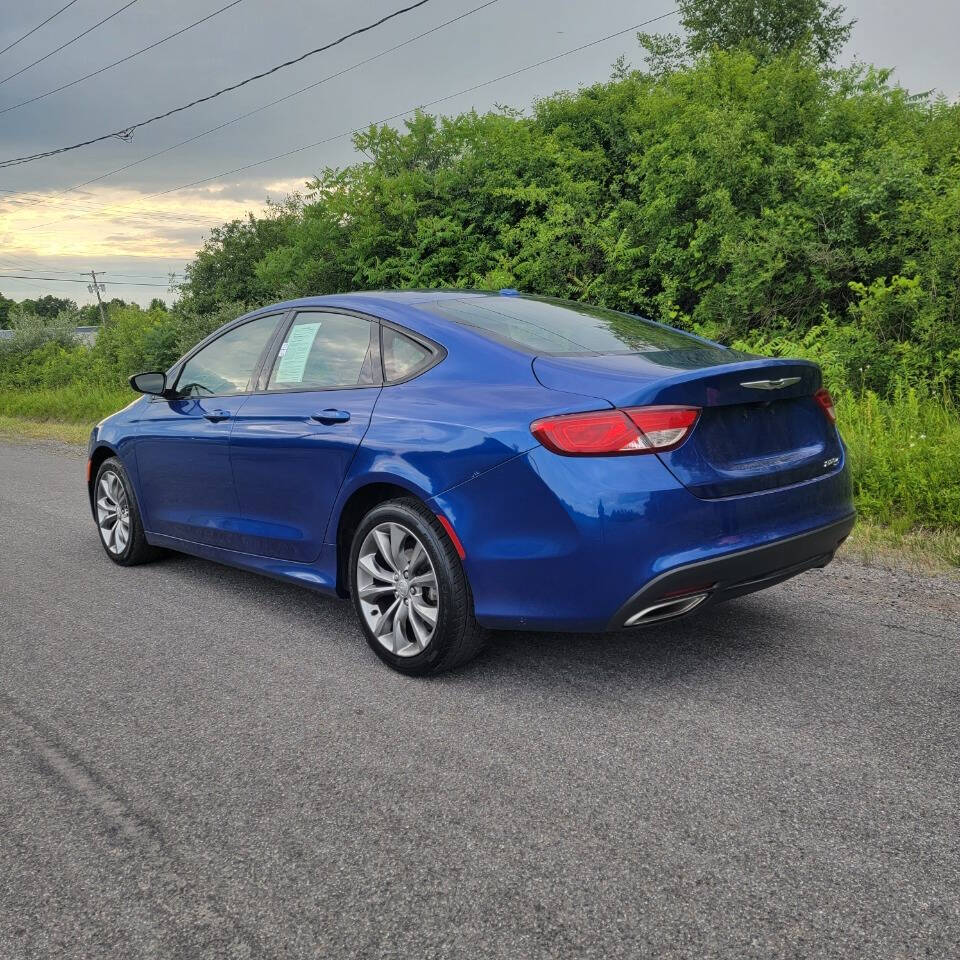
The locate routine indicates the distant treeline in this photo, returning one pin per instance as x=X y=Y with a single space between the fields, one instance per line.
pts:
x=50 y=307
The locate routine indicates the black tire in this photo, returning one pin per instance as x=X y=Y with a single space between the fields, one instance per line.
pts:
x=136 y=549
x=457 y=637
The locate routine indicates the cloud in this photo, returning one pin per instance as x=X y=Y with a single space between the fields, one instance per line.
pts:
x=122 y=222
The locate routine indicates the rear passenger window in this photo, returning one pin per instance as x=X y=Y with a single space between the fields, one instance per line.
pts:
x=402 y=355
x=324 y=350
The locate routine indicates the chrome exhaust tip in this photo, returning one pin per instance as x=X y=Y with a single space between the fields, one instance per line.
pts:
x=666 y=610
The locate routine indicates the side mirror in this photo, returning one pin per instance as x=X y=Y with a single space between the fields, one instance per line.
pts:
x=153 y=384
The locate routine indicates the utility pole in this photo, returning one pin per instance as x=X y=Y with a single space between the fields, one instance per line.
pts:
x=96 y=287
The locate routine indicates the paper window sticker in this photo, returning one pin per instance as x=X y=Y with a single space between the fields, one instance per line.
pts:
x=293 y=359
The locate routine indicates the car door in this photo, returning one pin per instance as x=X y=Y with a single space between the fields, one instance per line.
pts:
x=293 y=440
x=182 y=444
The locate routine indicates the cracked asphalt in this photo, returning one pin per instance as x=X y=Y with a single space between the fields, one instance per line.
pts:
x=197 y=762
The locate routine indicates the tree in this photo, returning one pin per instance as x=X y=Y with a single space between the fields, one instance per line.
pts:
x=31 y=331
x=89 y=315
x=765 y=27
x=5 y=306
x=224 y=267
x=48 y=307
x=741 y=197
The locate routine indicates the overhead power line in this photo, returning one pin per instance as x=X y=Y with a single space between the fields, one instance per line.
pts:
x=116 y=63
x=10 y=262
x=14 y=263
x=272 y=103
x=62 y=46
x=156 y=276
x=397 y=116
x=17 y=276
x=127 y=132
x=348 y=133
x=43 y=23
x=86 y=273
x=29 y=201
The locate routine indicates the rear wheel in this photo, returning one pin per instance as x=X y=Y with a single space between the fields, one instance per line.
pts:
x=410 y=591
x=118 y=516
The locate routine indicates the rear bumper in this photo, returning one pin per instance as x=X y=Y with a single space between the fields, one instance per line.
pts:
x=566 y=543
x=733 y=575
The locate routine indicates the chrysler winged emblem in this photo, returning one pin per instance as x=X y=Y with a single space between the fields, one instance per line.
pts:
x=771 y=384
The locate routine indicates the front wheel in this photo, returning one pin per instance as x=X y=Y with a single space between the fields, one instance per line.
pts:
x=410 y=591
x=118 y=516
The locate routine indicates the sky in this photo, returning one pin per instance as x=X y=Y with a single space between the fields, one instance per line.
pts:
x=53 y=223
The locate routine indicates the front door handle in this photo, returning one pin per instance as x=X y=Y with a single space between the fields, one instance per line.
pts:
x=331 y=416
x=217 y=416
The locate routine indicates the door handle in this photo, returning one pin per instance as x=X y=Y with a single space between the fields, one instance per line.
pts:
x=217 y=416
x=331 y=416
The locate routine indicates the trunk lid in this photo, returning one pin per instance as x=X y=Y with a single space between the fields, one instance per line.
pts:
x=760 y=427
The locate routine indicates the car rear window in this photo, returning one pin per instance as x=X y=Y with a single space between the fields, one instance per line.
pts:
x=557 y=327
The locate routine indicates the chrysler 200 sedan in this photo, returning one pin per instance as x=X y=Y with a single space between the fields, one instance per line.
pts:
x=457 y=461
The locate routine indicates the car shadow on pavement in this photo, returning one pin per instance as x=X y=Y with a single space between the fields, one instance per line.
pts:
x=738 y=635
x=744 y=632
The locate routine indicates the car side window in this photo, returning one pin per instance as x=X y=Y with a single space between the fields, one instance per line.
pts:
x=402 y=355
x=227 y=365
x=321 y=351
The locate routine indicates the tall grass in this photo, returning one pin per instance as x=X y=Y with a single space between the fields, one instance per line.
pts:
x=74 y=403
x=905 y=457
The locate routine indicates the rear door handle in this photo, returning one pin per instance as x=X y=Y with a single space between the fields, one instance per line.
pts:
x=217 y=416
x=331 y=416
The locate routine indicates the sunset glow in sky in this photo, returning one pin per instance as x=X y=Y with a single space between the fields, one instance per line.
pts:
x=114 y=222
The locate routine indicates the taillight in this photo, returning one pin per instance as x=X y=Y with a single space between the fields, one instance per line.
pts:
x=664 y=427
x=616 y=432
x=825 y=403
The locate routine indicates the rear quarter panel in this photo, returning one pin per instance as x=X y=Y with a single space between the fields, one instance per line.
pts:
x=461 y=418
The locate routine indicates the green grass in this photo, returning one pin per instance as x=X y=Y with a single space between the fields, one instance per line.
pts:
x=920 y=551
x=77 y=403
x=19 y=428
x=66 y=414
x=905 y=460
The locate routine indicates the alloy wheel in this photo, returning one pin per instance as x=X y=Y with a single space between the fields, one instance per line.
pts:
x=113 y=512
x=397 y=589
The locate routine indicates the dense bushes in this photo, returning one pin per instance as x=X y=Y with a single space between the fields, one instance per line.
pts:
x=764 y=201
x=750 y=200
x=45 y=354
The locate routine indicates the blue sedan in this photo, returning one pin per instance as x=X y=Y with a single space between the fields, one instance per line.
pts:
x=458 y=461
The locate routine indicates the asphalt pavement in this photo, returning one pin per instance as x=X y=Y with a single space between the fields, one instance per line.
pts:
x=198 y=762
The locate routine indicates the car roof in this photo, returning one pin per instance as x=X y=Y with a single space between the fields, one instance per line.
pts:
x=381 y=298
x=397 y=306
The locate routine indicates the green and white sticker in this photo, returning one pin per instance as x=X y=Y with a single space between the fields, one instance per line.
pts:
x=294 y=353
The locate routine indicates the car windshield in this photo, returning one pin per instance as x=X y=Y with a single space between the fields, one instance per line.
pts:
x=558 y=327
